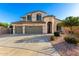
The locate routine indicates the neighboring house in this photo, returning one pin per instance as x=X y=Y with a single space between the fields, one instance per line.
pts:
x=36 y=22
x=3 y=30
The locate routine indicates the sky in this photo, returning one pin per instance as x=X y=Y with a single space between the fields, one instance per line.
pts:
x=11 y=12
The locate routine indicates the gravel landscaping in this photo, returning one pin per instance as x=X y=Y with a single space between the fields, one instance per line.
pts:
x=65 y=49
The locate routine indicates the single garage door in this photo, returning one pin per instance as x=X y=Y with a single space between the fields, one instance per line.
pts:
x=33 y=29
x=18 y=30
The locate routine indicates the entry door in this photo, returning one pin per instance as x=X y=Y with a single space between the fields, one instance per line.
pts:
x=49 y=27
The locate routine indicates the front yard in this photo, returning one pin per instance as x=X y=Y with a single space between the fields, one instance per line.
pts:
x=36 y=46
x=63 y=48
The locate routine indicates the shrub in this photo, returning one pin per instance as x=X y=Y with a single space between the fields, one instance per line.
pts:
x=56 y=34
x=52 y=38
x=71 y=40
x=76 y=33
x=4 y=24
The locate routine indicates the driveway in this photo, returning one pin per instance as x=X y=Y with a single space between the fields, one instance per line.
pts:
x=27 y=46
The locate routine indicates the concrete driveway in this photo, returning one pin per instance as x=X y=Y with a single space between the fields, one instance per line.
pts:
x=27 y=46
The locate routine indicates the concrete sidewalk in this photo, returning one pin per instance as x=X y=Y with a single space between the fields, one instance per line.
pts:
x=14 y=35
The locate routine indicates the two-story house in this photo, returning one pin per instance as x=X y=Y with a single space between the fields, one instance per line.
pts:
x=36 y=22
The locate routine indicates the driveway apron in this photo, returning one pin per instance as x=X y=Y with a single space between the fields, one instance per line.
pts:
x=38 y=45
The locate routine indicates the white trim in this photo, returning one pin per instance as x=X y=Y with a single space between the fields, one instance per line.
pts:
x=23 y=29
x=13 y=29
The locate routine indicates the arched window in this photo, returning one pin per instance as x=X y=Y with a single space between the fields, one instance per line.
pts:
x=38 y=17
x=29 y=17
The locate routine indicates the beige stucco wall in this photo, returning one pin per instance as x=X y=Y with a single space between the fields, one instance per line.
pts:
x=49 y=19
x=34 y=15
x=46 y=19
x=29 y=24
x=55 y=24
x=44 y=25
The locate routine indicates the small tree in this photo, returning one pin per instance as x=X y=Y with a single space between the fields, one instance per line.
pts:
x=4 y=24
x=70 y=22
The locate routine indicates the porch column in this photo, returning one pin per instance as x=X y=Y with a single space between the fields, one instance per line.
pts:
x=44 y=29
x=23 y=29
x=13 y=29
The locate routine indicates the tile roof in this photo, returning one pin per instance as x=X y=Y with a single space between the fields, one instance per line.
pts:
x=52 y=16
x=49 y=16
x=34 y=12
x=23 y=22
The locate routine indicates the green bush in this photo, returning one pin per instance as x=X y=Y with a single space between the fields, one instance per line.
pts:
x=52 y=38
x=56 y=34
x=71 y=40
x=4 y=24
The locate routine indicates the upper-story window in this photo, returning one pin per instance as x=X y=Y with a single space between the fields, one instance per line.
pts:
x=24 y=18
x=38 y=17
x=29 y=17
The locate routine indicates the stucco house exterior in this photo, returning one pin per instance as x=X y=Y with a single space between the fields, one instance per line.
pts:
x=36 y=22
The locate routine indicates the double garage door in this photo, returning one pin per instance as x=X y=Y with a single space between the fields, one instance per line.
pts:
x=29 y=30
x=18 y=30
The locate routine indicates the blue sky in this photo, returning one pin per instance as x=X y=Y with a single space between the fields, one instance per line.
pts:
x=13 y=11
